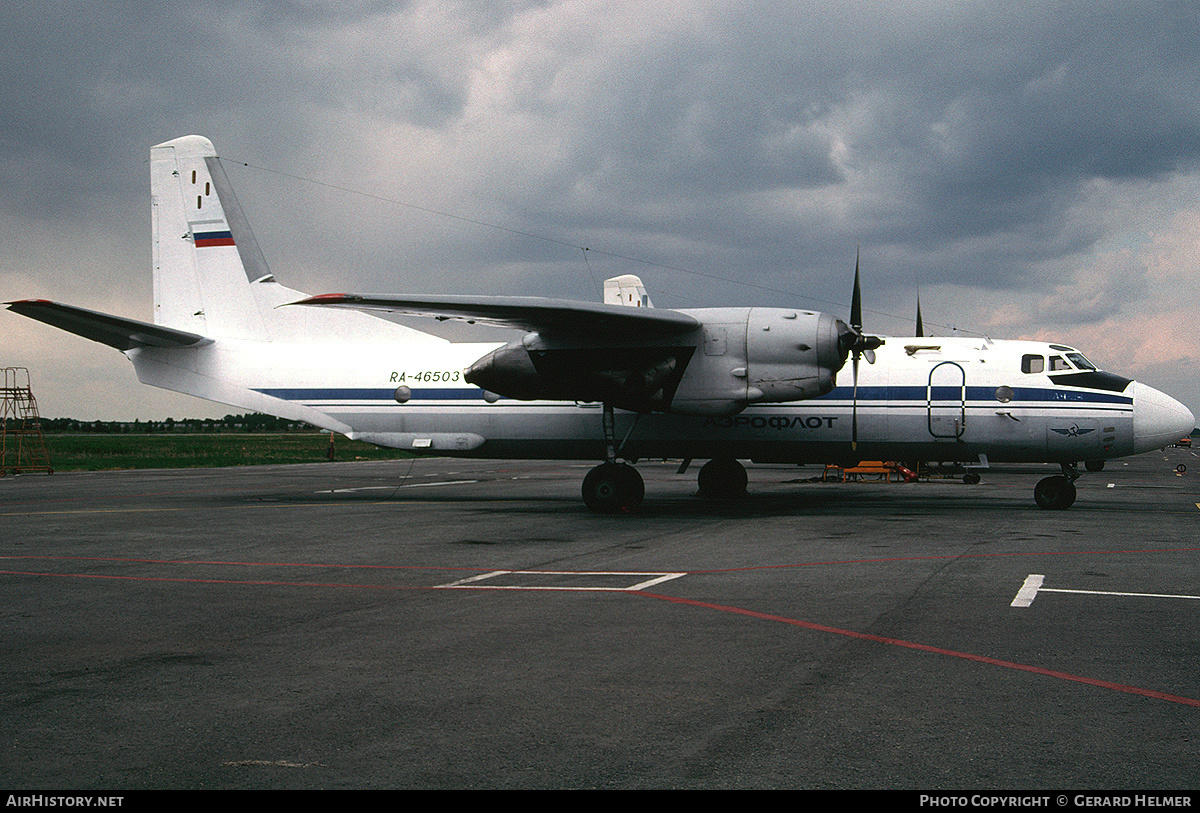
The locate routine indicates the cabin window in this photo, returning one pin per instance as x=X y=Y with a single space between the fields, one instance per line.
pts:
x=1079 y=361
x=1033 y=364
x=1058 y=363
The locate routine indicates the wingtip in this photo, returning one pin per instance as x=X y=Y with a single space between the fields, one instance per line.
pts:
x=324 y=299
x=17 y=304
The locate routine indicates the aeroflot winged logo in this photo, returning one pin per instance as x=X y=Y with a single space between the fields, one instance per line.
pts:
x=1072 y=431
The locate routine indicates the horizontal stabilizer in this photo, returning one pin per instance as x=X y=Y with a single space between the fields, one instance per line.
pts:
x=558 y=317
x=115 y=331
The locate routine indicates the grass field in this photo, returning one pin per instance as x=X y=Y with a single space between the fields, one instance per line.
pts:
x=167 y=450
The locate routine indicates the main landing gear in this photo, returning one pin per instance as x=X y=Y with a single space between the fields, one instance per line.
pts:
x=1058 y=492
x=617 y=488
x=722 y=478
x=613 y=487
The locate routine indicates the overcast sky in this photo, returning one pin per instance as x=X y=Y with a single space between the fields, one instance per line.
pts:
x=1031 y=167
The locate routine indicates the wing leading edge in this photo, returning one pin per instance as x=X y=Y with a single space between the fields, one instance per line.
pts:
x=559 y=317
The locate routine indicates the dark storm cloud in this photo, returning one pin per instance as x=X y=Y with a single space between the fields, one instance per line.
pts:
x=976 y=120
x=89 y=87
x=965 y=132
x=81 y=85
x=993 y=129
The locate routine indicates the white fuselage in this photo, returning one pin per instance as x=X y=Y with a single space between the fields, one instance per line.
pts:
x=929 y=399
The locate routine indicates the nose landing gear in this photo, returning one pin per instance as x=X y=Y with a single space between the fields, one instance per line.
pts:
x=1057 y=493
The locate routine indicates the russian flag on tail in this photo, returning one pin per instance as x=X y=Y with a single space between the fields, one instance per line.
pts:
x=208 y=239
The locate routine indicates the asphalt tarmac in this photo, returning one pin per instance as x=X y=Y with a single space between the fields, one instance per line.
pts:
x=468 y=624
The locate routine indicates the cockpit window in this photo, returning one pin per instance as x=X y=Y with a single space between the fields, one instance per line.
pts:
x=1079 y=361
x=1058 y=363
x=1033 y=364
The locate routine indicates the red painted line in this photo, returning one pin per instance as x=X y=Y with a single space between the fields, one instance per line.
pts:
x=243 y=564
x=215 y=491
x=260 y=505
x=879 y=639
x=209 y=581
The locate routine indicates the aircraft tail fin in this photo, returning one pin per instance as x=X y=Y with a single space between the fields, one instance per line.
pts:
x=626 y=289
x=205 y=256
x=210 y=277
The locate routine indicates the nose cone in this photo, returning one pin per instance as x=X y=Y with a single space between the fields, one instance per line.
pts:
x=1158 y=419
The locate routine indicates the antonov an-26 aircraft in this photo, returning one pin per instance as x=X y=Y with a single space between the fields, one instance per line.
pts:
x=613 y=382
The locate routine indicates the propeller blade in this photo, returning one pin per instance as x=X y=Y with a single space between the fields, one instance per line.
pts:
x=856 y=345
x=856 y=301
x=854 y=410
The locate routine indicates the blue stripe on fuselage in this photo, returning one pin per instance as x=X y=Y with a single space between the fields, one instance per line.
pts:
x=357 y=394
x=865 y=394
x=920 y=394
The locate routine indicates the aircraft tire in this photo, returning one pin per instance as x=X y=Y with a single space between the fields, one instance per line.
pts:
x=612 y=488
x=722 y=478
x=1094 y=465
x=1055 y=493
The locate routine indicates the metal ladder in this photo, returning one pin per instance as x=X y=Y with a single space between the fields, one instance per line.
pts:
x=22 y=444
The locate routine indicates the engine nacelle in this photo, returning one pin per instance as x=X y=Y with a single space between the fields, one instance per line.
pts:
x=791 y=355
x=508 y=371
x=760 y=355
x=736 y=357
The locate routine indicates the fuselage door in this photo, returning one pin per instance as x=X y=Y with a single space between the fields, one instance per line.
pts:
x=946 y=397
x=715 y=340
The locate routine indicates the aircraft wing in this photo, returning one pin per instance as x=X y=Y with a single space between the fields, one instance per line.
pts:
x=115 y=331
x=557 y=317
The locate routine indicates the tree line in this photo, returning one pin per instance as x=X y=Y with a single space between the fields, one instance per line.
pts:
x=249 y=422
